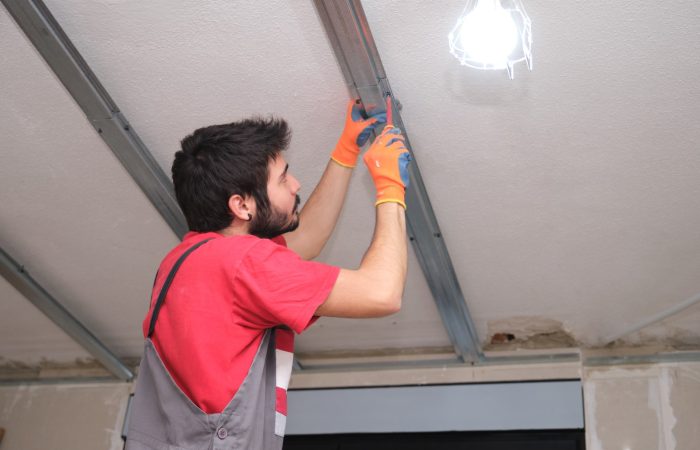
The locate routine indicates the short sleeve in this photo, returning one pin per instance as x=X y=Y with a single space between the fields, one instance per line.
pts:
x=274 y=286
x=280 y=240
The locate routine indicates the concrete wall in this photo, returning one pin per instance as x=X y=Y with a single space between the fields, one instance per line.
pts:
x=85 y=416
x=643 y=408
x=653 y=407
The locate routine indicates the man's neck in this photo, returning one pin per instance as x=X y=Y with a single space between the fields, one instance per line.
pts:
x=236 y=229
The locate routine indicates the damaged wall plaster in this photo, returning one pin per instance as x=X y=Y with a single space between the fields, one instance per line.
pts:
x=642 y=407
x=528 y=333
x=685 y=399
x=536 y=332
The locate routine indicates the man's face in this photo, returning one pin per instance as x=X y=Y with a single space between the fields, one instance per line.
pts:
x=282 y=216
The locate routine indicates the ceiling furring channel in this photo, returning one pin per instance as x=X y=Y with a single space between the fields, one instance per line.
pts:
x=349 y=34
x=37 y=23
x=18 y=277
x=47 y=36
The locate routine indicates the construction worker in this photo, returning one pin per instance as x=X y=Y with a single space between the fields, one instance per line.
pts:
x=227 y=301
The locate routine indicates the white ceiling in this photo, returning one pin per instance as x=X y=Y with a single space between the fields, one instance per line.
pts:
x=568 y=197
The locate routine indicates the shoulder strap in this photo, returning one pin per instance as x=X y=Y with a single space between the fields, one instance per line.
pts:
x=168 y=282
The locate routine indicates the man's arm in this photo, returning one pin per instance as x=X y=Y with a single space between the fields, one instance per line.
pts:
x=320 y=213
x=376 y=287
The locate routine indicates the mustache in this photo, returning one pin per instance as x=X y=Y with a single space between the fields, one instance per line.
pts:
x=297 y=202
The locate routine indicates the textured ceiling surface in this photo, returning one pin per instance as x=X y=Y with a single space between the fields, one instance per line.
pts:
x=574 y=191
x=573 y=194
x=80 y=225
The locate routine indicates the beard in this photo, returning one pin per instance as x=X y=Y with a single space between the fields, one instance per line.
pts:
x=271 y=222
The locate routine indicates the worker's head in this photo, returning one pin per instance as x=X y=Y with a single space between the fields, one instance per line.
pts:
x=236 y=172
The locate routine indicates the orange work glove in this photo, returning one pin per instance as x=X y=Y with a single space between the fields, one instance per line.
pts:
x=387 y=160
x=356 y=132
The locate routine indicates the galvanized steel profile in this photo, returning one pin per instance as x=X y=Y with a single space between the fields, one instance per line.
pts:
x=34 y=18
x=356 y=52
x=15 y=274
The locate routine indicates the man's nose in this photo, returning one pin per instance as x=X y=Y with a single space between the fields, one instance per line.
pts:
x=296 y=186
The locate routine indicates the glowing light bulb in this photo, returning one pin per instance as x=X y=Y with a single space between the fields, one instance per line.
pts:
x=489 y=36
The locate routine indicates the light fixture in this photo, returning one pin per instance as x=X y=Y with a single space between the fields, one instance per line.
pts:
x=492 y=35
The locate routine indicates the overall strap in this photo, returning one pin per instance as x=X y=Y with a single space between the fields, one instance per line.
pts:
x=168 y=282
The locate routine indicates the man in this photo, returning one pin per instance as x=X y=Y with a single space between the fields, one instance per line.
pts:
x=220 y=334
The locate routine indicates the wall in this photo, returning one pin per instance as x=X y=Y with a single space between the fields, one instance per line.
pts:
x=653 y=407
x=70 y=416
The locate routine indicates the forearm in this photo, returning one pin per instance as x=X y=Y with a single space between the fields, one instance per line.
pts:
x=376 y=287
x=321 y=211
x=384 y=263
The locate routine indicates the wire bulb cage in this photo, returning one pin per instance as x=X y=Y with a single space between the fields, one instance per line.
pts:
x=492 y=35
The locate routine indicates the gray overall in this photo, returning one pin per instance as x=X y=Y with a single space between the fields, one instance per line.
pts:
x=163 y=417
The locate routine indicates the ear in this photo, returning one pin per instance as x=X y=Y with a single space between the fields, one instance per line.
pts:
x=241 y=207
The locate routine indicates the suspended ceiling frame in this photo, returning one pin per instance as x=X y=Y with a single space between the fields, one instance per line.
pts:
x=359 y=60
x=47 y=36
x=37 y=22
x=356 y=52
x=15 y=274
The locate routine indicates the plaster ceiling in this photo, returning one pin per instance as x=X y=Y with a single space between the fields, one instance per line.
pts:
x=574 y=189
x=568 y=197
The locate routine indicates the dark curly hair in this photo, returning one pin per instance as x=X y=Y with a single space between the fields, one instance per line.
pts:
x=219 y=161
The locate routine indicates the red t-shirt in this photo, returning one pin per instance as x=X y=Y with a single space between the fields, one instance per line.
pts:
x=223 y=298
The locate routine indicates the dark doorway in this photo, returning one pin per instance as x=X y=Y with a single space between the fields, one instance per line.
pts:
x=501 y=440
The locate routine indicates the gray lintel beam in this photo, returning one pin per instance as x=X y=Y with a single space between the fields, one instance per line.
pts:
x=34 y=18
x=350 y=36
x=25 y=284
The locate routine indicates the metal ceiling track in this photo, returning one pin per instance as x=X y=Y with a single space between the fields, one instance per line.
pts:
x=36 y=21
x=356 y=52
x=47 y=36
x=18 y=277
x=671 y=356
x=34 y=18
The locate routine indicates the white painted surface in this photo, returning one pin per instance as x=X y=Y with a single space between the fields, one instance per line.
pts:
x=70 y=213
x=100 y=255
x=573 y=191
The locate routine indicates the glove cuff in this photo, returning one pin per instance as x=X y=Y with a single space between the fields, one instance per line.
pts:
x=341 y=163
x=395 y=194
x=345 y=154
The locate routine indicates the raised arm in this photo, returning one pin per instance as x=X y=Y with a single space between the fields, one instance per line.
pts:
x=376 y=287
x=320 y=213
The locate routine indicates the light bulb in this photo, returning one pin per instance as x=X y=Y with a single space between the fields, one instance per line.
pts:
x=488 y=34
x=491 y=36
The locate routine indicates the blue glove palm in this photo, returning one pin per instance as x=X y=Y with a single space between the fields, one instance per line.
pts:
x=355 y=134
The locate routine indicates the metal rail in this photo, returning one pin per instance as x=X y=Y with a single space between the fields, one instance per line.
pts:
x=18 y=277
x=348 y=31
x=34 y=18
